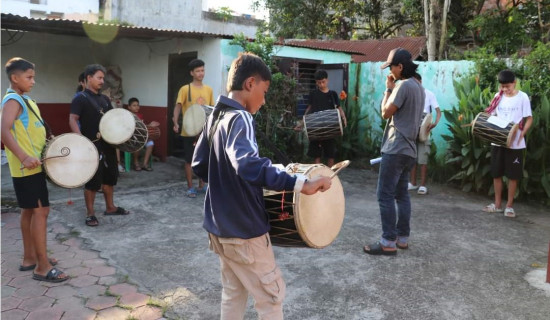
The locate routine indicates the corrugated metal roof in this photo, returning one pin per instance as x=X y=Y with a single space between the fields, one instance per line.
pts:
x=76 y=28
x=370 y=50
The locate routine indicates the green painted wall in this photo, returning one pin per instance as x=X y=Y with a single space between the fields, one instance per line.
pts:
x=326 y=57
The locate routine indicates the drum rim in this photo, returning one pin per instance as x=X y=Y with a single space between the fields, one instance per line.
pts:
x=475 y=120
x=199 y=106
x=125 y=138
x=511 y=135
x=420 y=135
x=94 y=171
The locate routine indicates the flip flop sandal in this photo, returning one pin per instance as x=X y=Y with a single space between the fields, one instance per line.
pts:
x=376 y=249
x=120 y=211
x=91 y=221
x=402 y=246
x=32 y=266
x=492 y=209
x=192 y=192
x=52 y=276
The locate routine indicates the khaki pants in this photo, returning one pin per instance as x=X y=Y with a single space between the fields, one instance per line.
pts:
x=248 y=266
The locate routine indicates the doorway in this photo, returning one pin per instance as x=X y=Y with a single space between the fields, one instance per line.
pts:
x=178 y=76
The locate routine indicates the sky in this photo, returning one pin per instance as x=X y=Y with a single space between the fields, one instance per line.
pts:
x=240 y=6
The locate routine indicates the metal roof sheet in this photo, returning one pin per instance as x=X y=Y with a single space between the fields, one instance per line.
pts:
x=370 y=50
x=76 y=28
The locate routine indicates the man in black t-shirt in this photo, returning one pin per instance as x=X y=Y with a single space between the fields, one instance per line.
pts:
x=87 y=108
x=323 y=99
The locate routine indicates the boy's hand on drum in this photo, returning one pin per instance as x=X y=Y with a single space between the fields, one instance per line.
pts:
x=30 y=162
x=316 y=184
x=176 y=128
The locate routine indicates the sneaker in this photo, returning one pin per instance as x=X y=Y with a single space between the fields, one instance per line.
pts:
x=121 y=168
x=412 y=187
x=509 y=212
x=422 y=190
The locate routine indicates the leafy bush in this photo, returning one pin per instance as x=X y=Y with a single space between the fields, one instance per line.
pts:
x=466 y=155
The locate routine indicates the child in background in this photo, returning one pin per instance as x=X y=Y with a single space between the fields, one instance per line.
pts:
x=133 y=106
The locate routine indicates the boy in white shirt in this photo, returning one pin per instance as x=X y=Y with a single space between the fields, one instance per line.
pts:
x=509 y=104
x=424 y=147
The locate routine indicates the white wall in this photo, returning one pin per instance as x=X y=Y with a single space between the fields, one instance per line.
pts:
x=145 y=67
x=183 y=15
x=24 y=7
x=60 y=59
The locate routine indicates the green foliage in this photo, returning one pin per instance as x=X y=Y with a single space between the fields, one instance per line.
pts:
x=466 y=155
x=536 y=181
x=537 y=69
x=224 y=13
x=276 y=118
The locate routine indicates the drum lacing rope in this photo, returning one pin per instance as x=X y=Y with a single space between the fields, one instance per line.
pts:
x=284 y=214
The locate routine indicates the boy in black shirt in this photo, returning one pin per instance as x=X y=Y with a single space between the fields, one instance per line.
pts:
x=323 y=99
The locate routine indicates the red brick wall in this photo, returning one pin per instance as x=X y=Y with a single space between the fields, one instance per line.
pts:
x=57 y=117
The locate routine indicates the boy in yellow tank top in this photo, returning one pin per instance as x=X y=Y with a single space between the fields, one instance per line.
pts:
x=24 y=135
x=193 y=93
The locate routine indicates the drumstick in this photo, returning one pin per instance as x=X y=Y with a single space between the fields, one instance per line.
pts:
x=65 y=151
x=339 y=166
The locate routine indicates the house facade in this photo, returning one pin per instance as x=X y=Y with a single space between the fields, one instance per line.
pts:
x=148 y=62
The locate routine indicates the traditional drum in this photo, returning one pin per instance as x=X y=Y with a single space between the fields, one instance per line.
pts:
x=193 y=120
x=70 y=160
x=323 y=125
x=494 y=129
x=299 y=220
x=424 y=134
x=153 y=132
x=124 y=130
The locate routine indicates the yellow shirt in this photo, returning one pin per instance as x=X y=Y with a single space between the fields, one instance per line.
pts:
x=199 y=95
x=29 y=133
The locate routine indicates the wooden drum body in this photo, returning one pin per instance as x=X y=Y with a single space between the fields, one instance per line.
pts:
x=494 y=129
x=153 y=132
x=323 y=125
x=124 y=130
x=70 y=160
x=299 y=220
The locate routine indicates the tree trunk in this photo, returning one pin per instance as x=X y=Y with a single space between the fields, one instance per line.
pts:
x=443 y=39
x=432 y=29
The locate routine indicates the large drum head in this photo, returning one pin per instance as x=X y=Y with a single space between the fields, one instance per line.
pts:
x=75 y=169
x=117 y=126
x=319 y=217
x=193 y=120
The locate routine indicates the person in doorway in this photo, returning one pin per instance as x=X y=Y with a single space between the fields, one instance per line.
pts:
x=133 y=106
x=320 y=99
x=402 y=105
x=511 y=105
x=227 y=157
x=424 y=147
x=195 y=92
x=87 y=109
x=24 y=136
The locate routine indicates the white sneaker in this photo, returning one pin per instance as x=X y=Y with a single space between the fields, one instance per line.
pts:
x=121 y=168
x=422 y=190
x=412 y=187
x=509 y=212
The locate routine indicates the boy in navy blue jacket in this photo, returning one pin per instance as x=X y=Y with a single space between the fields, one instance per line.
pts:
x=226 y=156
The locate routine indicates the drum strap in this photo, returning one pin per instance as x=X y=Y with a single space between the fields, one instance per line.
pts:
x=189 y=93
x=44 y=123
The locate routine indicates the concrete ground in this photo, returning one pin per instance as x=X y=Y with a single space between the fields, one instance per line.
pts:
x=462 y=263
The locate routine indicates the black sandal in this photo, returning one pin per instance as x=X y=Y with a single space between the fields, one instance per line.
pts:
x=376 y=249
x=91 y=221
x=54 y=275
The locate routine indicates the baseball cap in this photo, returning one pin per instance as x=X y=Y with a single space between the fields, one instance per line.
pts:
x=397 y=56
